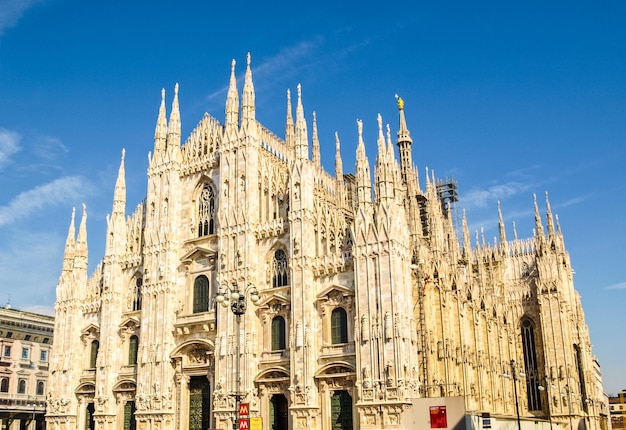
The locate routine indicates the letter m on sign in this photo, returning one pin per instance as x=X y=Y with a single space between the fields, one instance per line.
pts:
x=244 y=409
x=244 y=424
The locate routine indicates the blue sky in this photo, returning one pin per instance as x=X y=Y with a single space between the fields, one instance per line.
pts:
x=509 y=99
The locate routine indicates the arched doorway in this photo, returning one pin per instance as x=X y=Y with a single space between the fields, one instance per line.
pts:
x=279 y=412
x=130 y=423
x=90 y=423
x=341 y=410
x=199 y=403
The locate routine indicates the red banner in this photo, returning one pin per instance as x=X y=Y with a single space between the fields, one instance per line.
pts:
x=438 y=417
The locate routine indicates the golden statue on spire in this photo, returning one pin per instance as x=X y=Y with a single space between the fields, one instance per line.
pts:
x=400 y=102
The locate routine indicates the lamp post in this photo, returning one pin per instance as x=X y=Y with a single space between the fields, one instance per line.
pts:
x=592 y=416
x=542 y=388
x=569 y=403
x=238 y=306
x=514 y=376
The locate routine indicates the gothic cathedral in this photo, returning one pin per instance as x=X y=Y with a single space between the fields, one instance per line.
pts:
x=250 y=276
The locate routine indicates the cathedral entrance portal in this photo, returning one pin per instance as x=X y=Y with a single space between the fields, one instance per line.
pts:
x=279 y=413
x=341 y=410
x=199 y=403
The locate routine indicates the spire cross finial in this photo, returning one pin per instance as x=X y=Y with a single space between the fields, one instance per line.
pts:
x=248 y=58
x=232 y=67
x=163 y=94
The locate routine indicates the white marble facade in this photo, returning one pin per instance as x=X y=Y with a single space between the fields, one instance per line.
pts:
x=360 y=295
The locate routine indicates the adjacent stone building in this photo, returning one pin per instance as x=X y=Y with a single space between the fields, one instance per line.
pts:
x=346 y=296
x=25 y=345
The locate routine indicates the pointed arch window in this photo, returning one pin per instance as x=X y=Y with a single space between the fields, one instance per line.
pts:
x=133 y=348
x=201 y=294
x=206 y=211
x=93 y=356
x=278 y=333
x=530 y=365
x=279 y=269
x=137 y=298
x=339 y=326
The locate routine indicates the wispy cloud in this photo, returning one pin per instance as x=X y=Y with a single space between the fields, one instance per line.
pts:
x=618 y=286
x=483 y=197
x=9 y=145
x=12 y=10
x=287 y=62
x=48 y=148
x=59 y=191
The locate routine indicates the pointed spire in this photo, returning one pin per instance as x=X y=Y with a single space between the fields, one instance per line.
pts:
x=173 y=126
x=160 y=132
x=301 y=138
x=364 y=182
x=514 y=231
x=467 y=243
x=81 y=242
x=339 y=172
x=404 y=142
x=382 y=150
x=549 y=219
x=248 y=107
x=289 y=126
x=338 y=162
x=316 y=144
x=232 y=100
x=390 y=153
x=119 y=195
x=538 y=225
x=501 y=226
x=70 y=244
x=384 y=169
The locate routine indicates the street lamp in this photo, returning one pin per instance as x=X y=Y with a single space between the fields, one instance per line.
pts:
x=514 y=376
x=569 y=403
x=542 y=388
x=592 y=416
x=238 y=306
